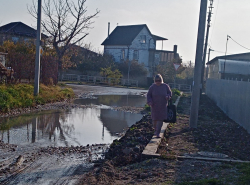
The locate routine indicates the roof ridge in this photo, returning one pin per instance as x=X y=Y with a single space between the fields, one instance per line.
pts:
x=13 y=26
x=133 y=25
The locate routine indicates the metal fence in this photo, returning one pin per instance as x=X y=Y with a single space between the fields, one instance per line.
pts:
x=233 y=97
x=99 y=80
x=181 y=87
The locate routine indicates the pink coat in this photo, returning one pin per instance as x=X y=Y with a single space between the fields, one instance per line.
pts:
x=156 y=97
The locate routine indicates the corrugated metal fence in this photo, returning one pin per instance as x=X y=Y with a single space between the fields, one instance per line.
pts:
x=233 y=97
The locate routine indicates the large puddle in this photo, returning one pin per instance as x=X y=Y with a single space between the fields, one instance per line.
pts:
x=78 y=126
x=114 y=100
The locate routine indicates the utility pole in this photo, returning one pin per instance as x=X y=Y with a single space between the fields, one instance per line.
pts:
x=206 y=43
x=209 y=50
x=198 y=64
x=224 y=68
x=38 y=43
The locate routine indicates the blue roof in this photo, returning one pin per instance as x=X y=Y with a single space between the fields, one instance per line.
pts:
x=19 y=28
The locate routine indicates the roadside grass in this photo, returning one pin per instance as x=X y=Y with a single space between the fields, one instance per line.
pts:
x=21 y=96
x=240 y=177
x=203 y=182
x=244 y=177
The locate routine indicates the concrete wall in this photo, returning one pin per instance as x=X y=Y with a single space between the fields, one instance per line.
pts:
x=233 y=97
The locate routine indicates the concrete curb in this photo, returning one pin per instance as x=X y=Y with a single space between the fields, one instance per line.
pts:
x=211 y=159
x=151 y=148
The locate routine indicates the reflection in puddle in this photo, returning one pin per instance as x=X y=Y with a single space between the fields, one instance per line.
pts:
x=78 y=126
x=74 y=127
x=114 y=100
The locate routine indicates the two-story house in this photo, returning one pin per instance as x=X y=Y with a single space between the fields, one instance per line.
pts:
x=18 y=32
x=136 y=42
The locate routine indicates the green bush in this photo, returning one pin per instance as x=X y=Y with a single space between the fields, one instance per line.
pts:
x=21 y=95
x=147 y=107
x=176 y=92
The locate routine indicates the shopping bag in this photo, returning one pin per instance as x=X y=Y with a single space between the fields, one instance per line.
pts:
x=171 y=108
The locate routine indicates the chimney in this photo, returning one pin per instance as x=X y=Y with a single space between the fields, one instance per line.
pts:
x=108 y=29
x=175 y=51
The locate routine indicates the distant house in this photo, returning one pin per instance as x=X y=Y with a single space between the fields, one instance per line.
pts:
x=136 y=42
x=18 y=32
x=230 y=67
x=86 y=53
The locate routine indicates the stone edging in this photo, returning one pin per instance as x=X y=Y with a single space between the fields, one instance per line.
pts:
x=151 y=148
x=211 y=159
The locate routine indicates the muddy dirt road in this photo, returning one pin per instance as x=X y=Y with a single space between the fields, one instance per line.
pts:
x=100 y=90
x=55 y=165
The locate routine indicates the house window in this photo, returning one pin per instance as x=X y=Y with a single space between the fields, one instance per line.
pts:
x=136 y=55
x=27 y=40
x=15 y=39
x=122 y=54
x=143 y=39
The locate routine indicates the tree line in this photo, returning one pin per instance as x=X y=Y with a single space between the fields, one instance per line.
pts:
x=67 y=23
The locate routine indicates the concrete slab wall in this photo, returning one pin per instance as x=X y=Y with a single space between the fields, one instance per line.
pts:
x=233 y=97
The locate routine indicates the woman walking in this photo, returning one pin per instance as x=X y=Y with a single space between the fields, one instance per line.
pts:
x=158 y=95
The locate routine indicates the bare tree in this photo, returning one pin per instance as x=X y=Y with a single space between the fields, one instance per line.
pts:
x=66 y=23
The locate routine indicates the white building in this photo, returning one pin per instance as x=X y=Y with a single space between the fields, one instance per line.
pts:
x=136 y=42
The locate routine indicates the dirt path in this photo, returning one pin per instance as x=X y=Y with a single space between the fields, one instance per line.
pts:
x=80 y=90
x=62 y=165
x=51 y=165
x=216 y=134
x=51 y=170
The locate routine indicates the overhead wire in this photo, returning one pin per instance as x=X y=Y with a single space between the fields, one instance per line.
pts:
x=221 y=51
x=238 y=43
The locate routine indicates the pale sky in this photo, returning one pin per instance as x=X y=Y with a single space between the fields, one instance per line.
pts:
x=176 y=20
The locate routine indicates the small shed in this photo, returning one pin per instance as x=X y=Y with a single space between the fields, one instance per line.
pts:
x=229 y=69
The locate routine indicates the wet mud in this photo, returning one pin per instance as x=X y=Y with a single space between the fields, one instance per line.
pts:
x=26 y=164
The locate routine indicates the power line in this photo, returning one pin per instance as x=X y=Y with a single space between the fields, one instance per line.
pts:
x=238 y=43
x=221 y=52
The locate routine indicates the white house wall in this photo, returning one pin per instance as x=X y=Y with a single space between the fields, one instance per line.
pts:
x=143 y=48
x=115 y=51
